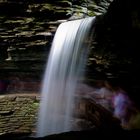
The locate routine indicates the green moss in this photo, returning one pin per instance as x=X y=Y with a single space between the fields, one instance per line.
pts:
x=20 y=21
x=91 y=13
x=47 y=7
x=36 y=104
x=25 y=33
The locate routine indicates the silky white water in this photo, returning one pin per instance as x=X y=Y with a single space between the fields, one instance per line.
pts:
x=64 y=69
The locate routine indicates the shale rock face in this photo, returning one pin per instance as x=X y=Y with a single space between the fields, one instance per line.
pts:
x=30 y=25
x=27 y=29
x=18 y=114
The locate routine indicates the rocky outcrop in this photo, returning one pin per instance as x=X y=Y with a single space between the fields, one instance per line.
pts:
x=27 y=29
x=18 y=114
x=26 y=37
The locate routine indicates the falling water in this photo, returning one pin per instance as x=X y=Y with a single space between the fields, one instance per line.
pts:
x=67 y=59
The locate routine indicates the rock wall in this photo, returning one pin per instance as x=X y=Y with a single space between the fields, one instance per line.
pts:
x=27 y=29
x=18 y=114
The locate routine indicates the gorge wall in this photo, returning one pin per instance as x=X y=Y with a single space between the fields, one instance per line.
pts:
x=27 y=29
x=26 y=32
x=18 y=114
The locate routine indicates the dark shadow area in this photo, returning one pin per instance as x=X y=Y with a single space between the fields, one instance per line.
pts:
x=84 y=135
x=115 y=55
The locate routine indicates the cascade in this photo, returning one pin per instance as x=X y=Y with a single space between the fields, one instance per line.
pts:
x=64 y=70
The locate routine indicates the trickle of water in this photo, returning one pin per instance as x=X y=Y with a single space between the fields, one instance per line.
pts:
x=64 y=69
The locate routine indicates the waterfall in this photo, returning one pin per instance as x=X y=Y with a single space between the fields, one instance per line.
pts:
x=65 y=66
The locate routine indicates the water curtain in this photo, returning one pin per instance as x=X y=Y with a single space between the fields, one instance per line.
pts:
x=64 y=70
